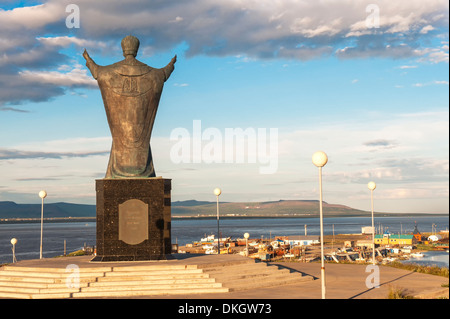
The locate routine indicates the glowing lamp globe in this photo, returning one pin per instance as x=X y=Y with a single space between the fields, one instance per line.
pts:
x=217 y=191
x=246 y=235
x=319 y=159
x=372 y=186
x=14 y=241
x=42 y=194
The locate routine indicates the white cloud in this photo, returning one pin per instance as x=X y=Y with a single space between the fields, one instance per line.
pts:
x=408 y=67
x=430 y=83
x=73 y=78
x=427 y=29
x=284 y=29
x=65 y=41
x=32 y=17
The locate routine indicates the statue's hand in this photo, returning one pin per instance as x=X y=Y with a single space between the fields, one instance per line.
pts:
x=174 y=59
x=86 y=55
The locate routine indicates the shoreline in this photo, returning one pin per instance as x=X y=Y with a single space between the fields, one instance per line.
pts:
x=214 y=216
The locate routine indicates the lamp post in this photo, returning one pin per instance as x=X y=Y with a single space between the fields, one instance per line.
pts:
x=319 y=159
x=246 y=236
x=14 y=242
x=217 y=192
x=42 y=195
x=372 y=187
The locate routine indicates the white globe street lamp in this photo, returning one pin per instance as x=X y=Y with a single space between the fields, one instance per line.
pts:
x=42 y=195
x=320 y=159
x=14 y=242
x=372 y=187
x=217 y=192
x=246 y=236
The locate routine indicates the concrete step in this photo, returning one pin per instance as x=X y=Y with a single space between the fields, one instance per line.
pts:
x=39 y=274
x=13 y=279
x=38 y=285
x=153 y=286
x=152 y=292
x=253 y=276
x=122 y=281
x=244 y=267
x=28 y=290
x=34 y=296
x=153 y=268
x=152 y=282
x=153 y=273
x=133 y=277
x=246 y=272
x=16 y=280
x=55 y=270
x=257 y=275
x=264 y=282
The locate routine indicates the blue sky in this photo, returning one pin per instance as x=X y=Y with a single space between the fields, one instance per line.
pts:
x=375 y=99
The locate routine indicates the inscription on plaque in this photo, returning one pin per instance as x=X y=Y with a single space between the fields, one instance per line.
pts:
x=133 y=221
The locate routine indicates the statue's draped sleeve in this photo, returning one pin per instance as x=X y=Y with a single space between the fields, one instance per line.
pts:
x=92 y=66
x=168 y=69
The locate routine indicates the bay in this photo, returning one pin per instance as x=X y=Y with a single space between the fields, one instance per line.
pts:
x=184 y=231
x=431 y=258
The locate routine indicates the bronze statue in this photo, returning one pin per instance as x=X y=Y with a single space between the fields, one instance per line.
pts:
x=131 y=91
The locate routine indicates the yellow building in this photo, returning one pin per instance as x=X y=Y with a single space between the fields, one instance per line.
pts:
x=395 y=240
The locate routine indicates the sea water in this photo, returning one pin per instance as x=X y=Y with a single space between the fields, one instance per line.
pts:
x=184 y=231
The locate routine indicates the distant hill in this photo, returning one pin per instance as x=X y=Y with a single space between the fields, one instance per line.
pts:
x=13 y=210
x=188 y=203
x=286 y=208
x=193 y=208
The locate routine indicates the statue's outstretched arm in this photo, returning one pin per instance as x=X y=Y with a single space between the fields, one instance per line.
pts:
x=92 y=66
x=168 y=69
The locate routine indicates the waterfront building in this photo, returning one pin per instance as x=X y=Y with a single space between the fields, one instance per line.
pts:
x=369 y=230
x=395 y=240
x=364 y=244
x=302 y=240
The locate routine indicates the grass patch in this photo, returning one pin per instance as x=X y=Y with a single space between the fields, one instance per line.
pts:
x=430 y=270
x=74 y=254
x=398 y=293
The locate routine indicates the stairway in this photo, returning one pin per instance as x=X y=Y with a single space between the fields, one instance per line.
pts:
x=183 y=275
x=101 y=282
x=250 y=275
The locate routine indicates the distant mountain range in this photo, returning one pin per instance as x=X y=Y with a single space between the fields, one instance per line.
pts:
x=198 y=209
x=13 y=210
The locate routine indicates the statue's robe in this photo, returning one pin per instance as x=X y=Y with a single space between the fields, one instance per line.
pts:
x=131 y=91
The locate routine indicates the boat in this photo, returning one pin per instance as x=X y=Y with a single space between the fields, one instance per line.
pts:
x=208 y=239
x=417 y=255
x=390 y=259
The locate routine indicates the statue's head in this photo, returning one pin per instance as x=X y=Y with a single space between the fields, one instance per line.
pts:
x=130 y=45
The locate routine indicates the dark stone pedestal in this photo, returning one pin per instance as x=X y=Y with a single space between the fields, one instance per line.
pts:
x=133 y=219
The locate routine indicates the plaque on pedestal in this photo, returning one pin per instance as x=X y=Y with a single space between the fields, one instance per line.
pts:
x=133 y=219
